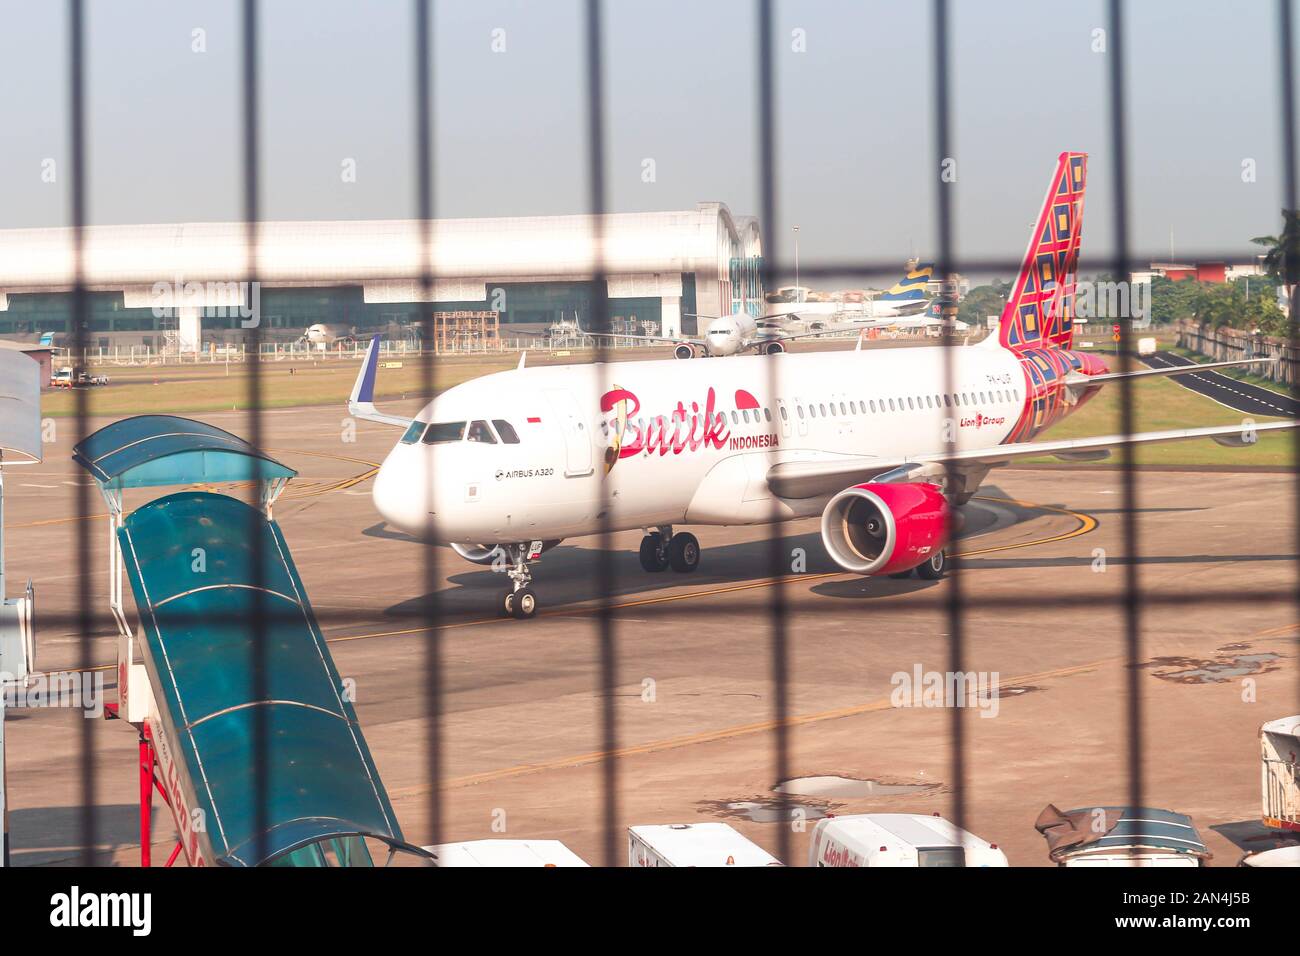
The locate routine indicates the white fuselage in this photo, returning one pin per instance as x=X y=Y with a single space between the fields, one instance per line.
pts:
x=324 y=334
x=848 y=312
x=673 y=461
x=730 y=335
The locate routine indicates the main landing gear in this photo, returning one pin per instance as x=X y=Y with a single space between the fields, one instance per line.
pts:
x=662 y=549
x=520 y=600
x=932 y=570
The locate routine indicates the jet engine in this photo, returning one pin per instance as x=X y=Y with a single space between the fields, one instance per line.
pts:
x=773 y=348
x=883 y=528
x=684 y=351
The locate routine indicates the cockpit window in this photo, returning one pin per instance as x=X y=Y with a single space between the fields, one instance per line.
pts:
x=413 y=433
x=479 y=431
x=442 y=432
x=507 y=431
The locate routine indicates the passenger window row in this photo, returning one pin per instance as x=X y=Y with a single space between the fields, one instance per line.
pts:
x=903 y=403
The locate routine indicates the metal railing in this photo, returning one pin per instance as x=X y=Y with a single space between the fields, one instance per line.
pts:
x=960 y=603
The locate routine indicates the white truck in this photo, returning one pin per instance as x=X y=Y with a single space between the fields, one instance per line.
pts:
x=505 y=853
x=693 y=844
x=1121 y=836
x=899 y=839
x=1279 y=742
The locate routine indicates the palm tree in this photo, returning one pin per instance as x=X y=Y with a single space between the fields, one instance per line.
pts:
x=1283 y=257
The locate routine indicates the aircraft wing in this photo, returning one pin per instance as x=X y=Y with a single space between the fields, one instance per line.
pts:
x=808 y=479
x=679 y=340
x=361 y=404
x=784 y=337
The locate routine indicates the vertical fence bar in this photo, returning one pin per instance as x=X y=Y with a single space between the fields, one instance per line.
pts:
x=1128 y=466
x=80 y=326
x=778 y=611
x=954 y=609
x=258 y=650
x=1286 y=70
x=605 y=571
x=430 y=606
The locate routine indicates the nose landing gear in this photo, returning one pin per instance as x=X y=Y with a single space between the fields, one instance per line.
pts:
x=520 y=600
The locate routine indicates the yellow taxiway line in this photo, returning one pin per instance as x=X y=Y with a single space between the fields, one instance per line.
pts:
x=712 y=736
x=1086 y=524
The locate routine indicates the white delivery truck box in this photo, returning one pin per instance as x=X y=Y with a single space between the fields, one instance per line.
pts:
x=898 y=839
x=693 y=844
x=505 y=853
x=1280 y=750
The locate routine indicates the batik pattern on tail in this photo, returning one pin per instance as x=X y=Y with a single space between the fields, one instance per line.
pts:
x=1040 y=310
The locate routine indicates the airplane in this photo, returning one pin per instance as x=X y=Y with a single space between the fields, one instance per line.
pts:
x=879 y=443
x=907 y=297
x=323 y=333
x=724 y=335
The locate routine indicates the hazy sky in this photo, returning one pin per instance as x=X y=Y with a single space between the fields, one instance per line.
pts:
x=857 y=166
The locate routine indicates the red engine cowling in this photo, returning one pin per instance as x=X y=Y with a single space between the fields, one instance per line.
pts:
x=880 y=528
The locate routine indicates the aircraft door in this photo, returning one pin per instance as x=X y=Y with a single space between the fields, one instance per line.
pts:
x=783 y=412
x=800 y=422
x=577 y=437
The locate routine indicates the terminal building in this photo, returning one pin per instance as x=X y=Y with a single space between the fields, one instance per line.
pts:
x=179 y=286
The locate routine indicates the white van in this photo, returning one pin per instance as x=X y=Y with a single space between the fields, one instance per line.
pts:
x=693 y=844
x=899 y=839
x=505 y=853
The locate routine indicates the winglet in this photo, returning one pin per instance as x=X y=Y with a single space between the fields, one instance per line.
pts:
x=361 y=404
x=363 y=391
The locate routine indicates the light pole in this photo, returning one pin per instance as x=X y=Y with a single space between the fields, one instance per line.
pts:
x=798 y=289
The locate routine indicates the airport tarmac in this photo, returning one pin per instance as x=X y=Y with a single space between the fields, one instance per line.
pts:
x=522 y=741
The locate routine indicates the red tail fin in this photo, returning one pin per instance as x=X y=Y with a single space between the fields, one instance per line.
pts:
x=1040 y=310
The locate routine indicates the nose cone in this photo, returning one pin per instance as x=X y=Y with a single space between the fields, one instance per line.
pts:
x=401 y=492
x=723 y=337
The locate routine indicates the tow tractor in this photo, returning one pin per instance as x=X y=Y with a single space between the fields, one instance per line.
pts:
x=76 y=376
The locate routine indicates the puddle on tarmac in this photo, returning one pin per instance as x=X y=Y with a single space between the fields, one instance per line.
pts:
x=848 y=787
x=767 y=811
x=809 y=798
x=1188 y=670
